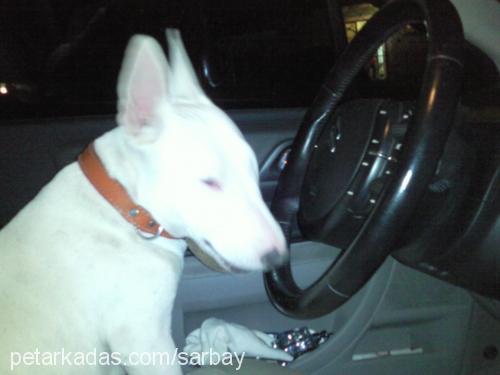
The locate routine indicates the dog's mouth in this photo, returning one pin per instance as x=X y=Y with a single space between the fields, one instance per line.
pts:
x=210 y=257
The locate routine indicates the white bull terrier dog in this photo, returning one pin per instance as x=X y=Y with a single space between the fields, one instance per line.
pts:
x=81 y=286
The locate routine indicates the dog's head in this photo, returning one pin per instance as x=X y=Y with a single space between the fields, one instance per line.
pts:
x=192 y=168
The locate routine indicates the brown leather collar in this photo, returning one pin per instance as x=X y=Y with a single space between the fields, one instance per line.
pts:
x=117 y=196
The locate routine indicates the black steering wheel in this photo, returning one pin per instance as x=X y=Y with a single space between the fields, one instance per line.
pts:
x=384 y=179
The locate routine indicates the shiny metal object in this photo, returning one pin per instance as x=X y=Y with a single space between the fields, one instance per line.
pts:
x=148 y=236
x=299 y=341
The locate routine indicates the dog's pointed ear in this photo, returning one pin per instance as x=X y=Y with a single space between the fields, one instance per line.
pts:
x=184 y=84
x=142 y=86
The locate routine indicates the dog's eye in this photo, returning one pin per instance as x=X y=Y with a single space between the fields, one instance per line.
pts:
x=212 y=184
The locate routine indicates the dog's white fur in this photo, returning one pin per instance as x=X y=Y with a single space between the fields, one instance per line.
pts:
x=76 y=276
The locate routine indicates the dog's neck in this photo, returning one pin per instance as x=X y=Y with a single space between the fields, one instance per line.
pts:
x=112 y=152
x=112 y=191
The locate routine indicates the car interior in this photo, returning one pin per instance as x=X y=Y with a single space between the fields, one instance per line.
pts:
x=376 y=125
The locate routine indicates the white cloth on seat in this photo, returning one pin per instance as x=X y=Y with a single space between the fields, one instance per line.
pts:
x=219 y=336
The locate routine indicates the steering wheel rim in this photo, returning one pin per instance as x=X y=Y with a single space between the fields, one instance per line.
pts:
x=424 y=144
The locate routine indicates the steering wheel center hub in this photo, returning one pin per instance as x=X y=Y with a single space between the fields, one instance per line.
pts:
x=351 y=164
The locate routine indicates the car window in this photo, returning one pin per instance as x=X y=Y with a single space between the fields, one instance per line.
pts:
x=63 y=57
x=267 y=53
x=397 y=68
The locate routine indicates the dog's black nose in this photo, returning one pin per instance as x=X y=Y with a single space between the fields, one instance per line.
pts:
x=273 y=259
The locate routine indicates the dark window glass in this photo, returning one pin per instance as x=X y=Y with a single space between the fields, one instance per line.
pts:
x=266 y=52
x=397 y=68
x=62 y=57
